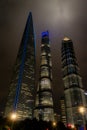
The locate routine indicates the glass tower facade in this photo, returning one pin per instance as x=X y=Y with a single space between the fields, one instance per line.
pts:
x=63 y=110
x=44 y=100
x=21 y=93
x=74 y=93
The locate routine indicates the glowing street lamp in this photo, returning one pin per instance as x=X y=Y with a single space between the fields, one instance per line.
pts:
x=54 y=124
x=72 y=126
x=13 y=116
x=81 y=110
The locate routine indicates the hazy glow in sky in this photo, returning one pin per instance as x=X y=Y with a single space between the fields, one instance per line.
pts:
x=60 y=17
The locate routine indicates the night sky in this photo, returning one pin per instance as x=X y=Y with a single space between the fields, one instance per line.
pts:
x=61 y=18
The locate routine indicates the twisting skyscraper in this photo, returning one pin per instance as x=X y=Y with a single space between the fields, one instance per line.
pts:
x=20 y=99
x=44 y=100
x=74 y=93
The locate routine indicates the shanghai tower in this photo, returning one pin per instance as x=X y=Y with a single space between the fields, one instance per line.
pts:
x=44 y=99
x=73 y=88
x=21 y=90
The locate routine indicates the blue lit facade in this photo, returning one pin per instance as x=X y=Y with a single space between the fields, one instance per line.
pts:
x=44 y=100
x=73 y=88
x=21 y=92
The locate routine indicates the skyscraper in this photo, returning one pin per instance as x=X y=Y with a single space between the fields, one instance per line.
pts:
x=44 y=100
x=74 y=93
x=21 y=93
x=63 y=110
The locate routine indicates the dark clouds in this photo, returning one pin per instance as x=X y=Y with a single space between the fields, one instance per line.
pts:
x=60 y=17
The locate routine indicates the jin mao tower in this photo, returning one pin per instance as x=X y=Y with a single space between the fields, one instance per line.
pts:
x=74 y=93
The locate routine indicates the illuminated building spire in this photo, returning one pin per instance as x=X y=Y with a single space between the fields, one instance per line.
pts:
x=44 y=101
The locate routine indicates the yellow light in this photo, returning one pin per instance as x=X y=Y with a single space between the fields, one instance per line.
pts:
x=13 y=116
x=81 y=109
x=66 y=39
x=72 y=126
x=54 y=124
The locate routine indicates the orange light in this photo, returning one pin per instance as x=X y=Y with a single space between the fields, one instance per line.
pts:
x=13 y=116
x=54 y=123
x=81 y=109
x=72 y=126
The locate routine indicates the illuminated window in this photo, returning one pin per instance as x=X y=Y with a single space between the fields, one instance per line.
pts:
x=43 y=53
x=45 y=83
x=37 y=101
x=73 y=79
x=80 y=81
x=42 y=45
x=68 y=98
x=48 y=102
x=46 y=98
x=48 y=45
x=44 y=71
x=49 y=54
x=43 y=60
x=48 y=114
x=66 y=82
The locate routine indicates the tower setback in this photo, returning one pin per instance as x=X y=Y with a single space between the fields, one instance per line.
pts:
x=21 y=93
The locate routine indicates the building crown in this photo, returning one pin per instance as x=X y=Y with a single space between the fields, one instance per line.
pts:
x=66 y=39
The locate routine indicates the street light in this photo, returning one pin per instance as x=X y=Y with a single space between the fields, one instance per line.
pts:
x=72 y=126
x=13 y=116
x=54 y=124
x=81 y=109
